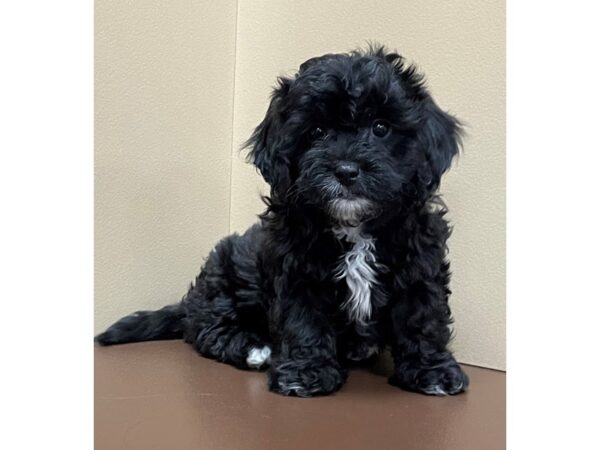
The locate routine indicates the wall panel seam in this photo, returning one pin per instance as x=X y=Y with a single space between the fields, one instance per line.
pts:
x=233 y=143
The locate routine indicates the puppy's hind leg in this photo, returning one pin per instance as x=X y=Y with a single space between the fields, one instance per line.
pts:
x=230 y=344
x=222 y=329
x=225 y=316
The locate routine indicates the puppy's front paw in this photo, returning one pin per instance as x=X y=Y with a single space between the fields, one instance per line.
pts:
x=306 y=378
x=443 y=380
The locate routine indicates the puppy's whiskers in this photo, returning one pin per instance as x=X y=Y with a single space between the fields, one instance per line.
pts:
x=331 y=189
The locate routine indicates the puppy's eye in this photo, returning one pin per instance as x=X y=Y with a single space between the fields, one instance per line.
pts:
x=317 y=133
x=381 y=128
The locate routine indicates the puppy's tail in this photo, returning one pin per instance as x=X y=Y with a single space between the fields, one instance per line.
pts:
x=166 y=323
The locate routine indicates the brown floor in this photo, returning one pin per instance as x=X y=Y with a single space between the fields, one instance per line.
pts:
x=162 y=395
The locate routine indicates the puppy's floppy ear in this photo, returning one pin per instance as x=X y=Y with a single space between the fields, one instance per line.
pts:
x=262 y=142
x=440 y=138
x=439 y=133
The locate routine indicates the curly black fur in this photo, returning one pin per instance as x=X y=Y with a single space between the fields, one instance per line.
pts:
x=353 y=147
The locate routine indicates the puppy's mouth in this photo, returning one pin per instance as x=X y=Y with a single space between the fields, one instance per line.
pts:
x=351 y=211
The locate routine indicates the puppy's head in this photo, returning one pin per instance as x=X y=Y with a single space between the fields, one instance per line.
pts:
x=356 y=135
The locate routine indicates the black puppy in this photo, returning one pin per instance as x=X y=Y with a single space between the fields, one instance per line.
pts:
x=350 y=254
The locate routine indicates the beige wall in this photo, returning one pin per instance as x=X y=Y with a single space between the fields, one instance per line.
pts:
x=459 y=45
x=164 y=98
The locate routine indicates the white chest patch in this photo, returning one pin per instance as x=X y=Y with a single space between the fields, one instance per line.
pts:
x=356 y=267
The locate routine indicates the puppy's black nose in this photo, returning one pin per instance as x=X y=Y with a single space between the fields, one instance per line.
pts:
x=347 y=172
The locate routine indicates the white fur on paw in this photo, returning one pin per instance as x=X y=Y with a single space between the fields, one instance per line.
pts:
x=435 y=390
x=258 y=356
x=292 y=387
x=456 y=389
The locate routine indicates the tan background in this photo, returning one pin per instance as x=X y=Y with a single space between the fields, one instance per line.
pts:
x=171 y=82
